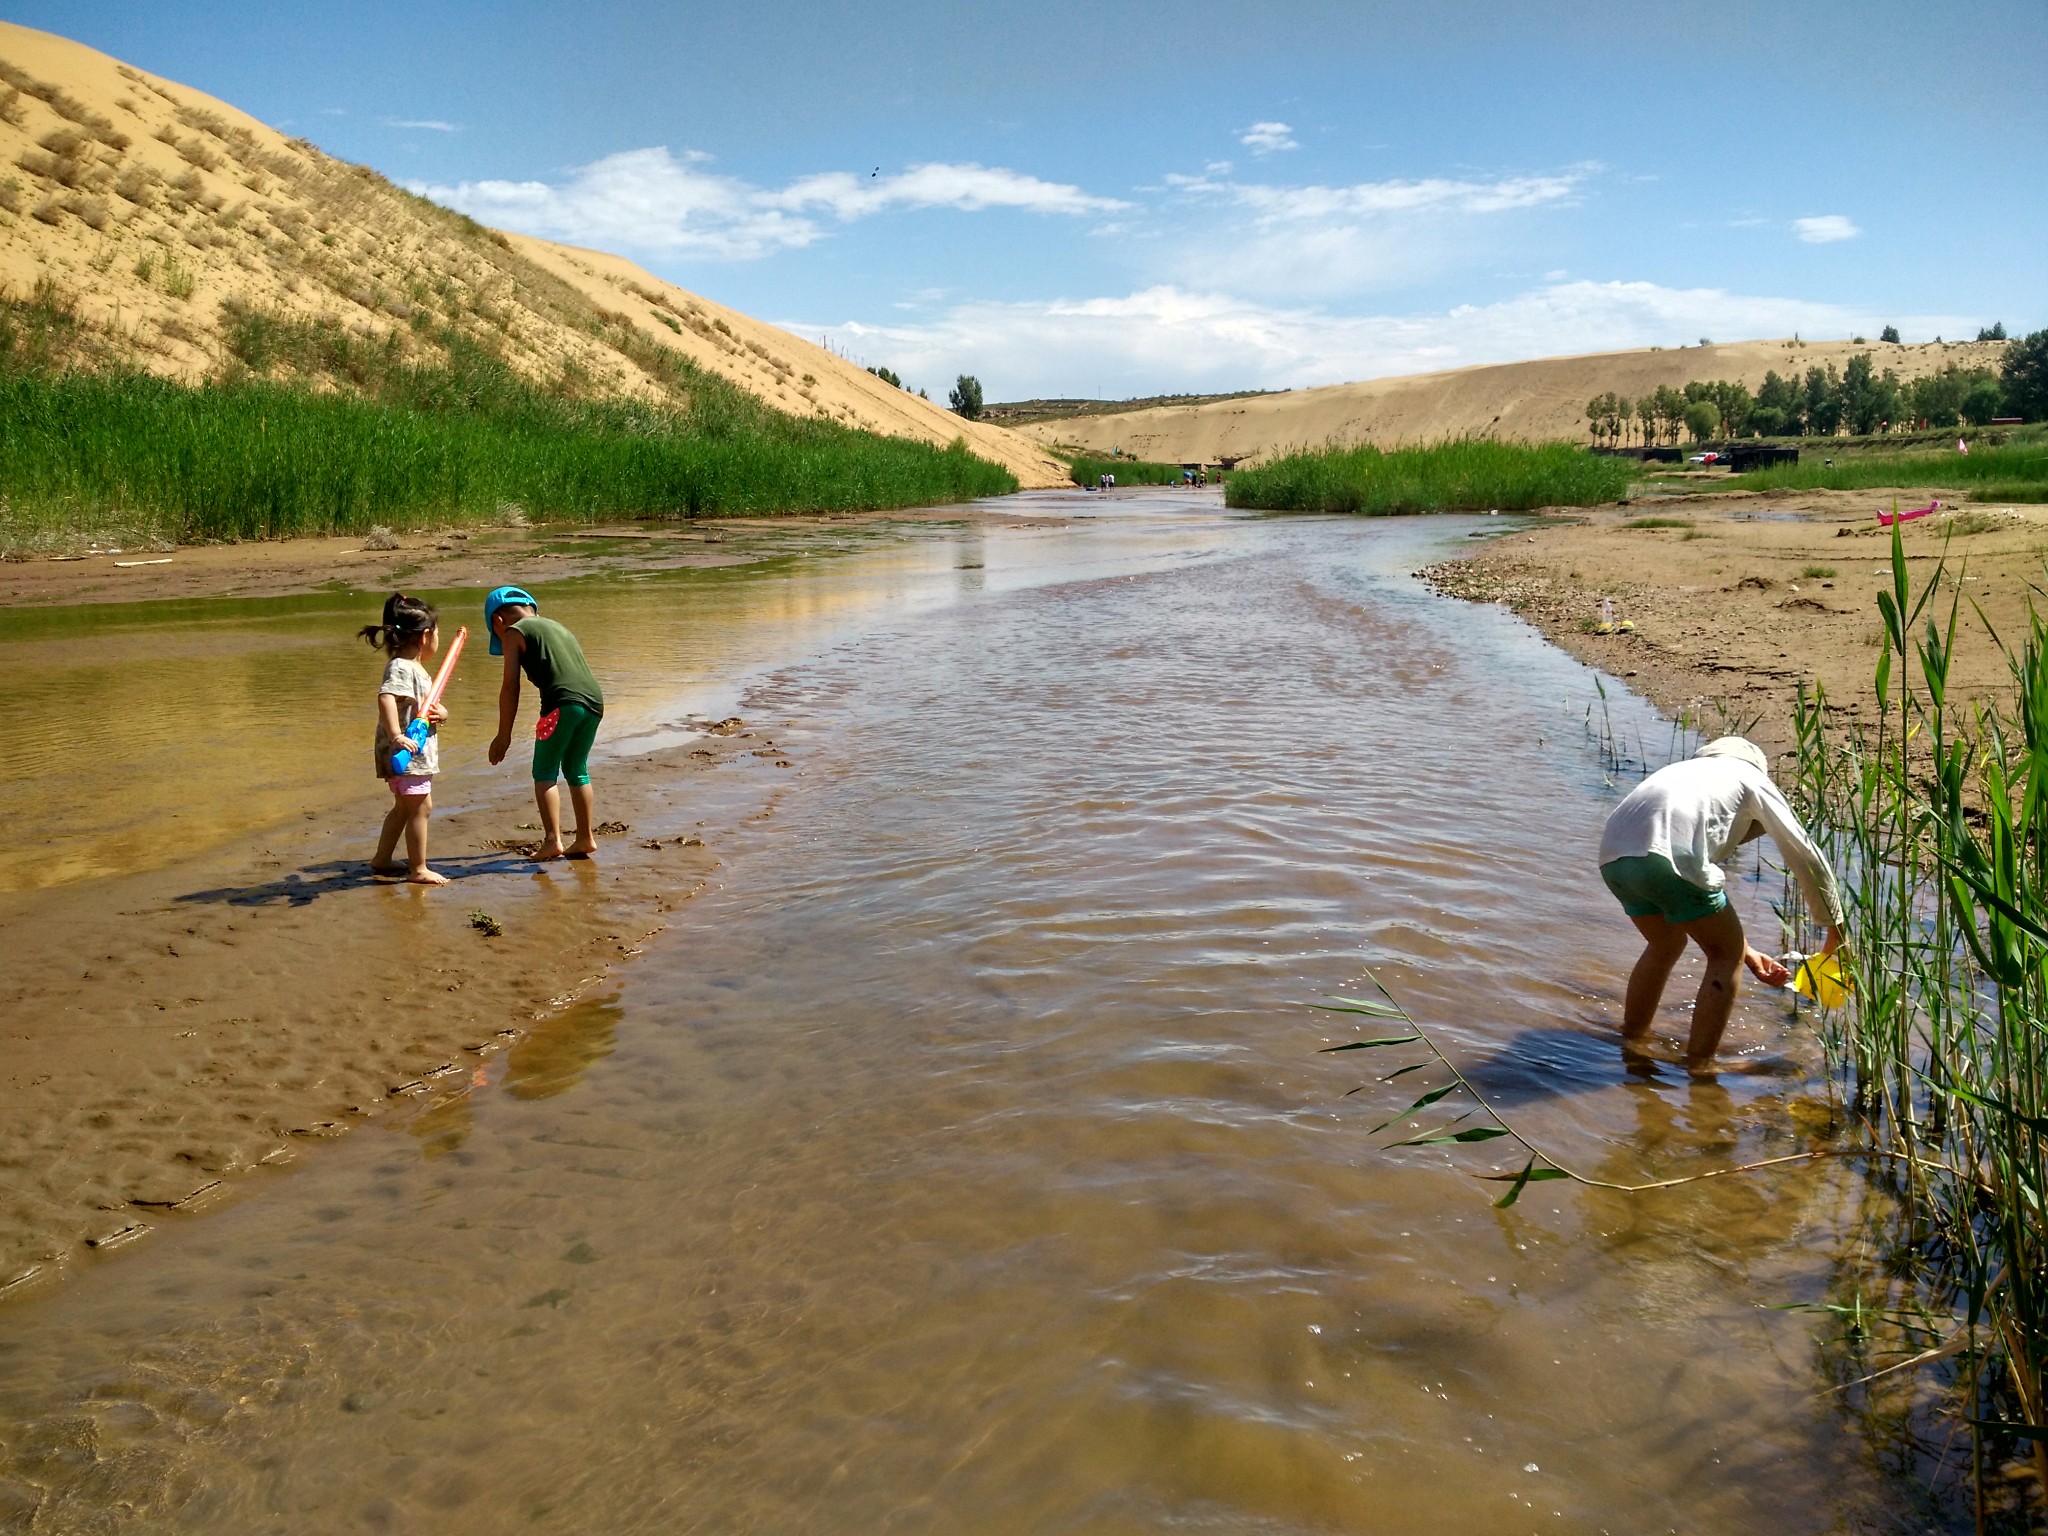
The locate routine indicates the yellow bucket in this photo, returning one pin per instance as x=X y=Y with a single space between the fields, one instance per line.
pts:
x=1821 y=978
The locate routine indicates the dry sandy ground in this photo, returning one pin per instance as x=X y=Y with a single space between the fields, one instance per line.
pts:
x=151 y=205
x=1538 y=401
x=1759 y=594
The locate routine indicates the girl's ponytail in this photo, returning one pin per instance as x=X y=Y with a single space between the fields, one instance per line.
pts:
x=406 y=621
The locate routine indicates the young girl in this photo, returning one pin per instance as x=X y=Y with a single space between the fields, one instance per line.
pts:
x=410 y=635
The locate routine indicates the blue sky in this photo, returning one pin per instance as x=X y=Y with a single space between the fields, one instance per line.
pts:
x=1115 y=198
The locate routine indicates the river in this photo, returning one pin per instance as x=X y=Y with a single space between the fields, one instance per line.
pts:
x=964 y=1160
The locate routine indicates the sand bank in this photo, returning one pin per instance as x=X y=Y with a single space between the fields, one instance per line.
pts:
x=1753 y=594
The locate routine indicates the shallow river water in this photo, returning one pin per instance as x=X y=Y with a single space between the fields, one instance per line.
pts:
x=963 y=1160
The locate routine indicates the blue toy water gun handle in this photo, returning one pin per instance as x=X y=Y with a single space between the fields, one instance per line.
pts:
x=416 y=734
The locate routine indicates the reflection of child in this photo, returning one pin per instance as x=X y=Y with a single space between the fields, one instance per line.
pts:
x=410 y=634
x=571 y=706
x=1660 y=855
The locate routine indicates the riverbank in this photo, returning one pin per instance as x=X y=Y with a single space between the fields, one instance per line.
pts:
x=441 y=559
x=1736 y=599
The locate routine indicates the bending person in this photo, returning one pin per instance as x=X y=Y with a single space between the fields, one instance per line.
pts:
x=1661 y=854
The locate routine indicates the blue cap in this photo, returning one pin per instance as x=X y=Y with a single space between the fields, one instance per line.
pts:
x=497 y=598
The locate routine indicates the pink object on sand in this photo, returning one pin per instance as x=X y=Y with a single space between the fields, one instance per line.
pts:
x=1886 y=519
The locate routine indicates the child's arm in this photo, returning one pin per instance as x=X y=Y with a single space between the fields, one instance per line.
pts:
x=508 y=698
x=387 y=712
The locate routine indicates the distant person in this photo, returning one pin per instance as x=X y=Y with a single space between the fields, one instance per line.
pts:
x=410 y=634
x=571 y=706
x=1660 y=854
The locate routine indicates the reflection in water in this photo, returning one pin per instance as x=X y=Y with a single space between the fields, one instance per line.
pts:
x=963 y=1160
x=562 y=1048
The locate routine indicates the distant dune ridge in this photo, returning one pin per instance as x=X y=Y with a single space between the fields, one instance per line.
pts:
x=1535 y=401
x=150 y=206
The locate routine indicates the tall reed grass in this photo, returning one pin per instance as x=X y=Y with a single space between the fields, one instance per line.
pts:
x=1938 y=818
x=2004 y=473
x=1465 y=474
x=248 y=457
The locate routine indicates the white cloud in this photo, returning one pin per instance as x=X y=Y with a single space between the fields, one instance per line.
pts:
x=656 y=200
x=1169 y=337
x=968 y=187
x=1264 y=138
x=1304 y=242
x=430 y=124
x=1825 y=229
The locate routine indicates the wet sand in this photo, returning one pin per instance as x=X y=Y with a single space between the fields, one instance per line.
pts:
x=1731 y=615
x=170 y=1031
x=179 y=1016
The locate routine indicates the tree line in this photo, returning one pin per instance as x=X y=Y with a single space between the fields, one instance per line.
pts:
x=1856 y=398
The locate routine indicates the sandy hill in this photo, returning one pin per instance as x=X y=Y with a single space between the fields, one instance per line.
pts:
x=1539 y=400
x=154 y=211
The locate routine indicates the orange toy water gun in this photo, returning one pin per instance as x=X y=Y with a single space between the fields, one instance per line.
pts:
x=416 y=734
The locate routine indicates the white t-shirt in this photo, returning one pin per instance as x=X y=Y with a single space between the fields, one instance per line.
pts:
x=1697 y=812
x=409 y=683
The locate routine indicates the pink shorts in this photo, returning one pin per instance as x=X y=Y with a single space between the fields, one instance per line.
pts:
x=403 y=784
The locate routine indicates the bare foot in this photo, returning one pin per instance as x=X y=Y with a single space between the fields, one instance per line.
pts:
x=582 y=848
x=548 y=851
x=388 y=871
x=427 y=877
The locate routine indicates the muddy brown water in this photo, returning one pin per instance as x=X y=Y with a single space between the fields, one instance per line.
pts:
x=964 y=1159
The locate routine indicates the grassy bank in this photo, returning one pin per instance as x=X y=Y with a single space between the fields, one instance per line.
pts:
x=113 y=451
x=1087 y=471
x=2017 y=470
x=1467 y=474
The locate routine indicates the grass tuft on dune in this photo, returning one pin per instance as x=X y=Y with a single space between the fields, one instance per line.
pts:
x=1464 y=474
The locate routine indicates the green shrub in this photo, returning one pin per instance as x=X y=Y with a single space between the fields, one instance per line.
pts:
x=1462 y=474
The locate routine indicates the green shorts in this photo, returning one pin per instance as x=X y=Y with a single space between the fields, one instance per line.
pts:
x=564 y=753
x=1647 y=886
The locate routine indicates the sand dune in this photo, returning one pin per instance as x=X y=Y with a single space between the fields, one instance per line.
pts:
x=1536 y=400
x=153 y=208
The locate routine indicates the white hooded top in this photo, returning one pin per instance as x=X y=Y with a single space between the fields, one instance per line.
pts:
x=1697 y=812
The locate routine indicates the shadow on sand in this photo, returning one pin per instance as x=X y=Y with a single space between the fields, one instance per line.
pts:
x=301 y=887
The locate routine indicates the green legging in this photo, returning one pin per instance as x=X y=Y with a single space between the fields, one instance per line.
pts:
x=565 y=754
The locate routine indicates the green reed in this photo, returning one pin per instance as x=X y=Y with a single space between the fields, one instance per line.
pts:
x=1464 y=474
x=1938 y=818
x=1087 y=470
x=80 y=451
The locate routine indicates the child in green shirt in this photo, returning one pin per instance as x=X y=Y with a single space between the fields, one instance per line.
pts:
x=571 y=706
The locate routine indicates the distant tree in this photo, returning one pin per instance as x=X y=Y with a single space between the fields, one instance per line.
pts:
x=1702 y=420
x=886 y=375
x=1995 y=331
x=1937 y=398
x=1823 y=401
x=2024 y=374
x=1780 y=406
x=1735 y=403
x=965 y=397
x=1598 y=409
x=1890 y=333
x=1624 y=413
x=1668 y=405
x=1981 y=401
x=1869 y=400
